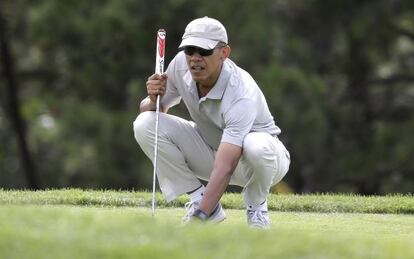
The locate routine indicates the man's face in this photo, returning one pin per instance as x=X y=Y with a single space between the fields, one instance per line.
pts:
x=205 y=69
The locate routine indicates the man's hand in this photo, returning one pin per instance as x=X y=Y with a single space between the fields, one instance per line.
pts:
x=199 y=216
x=156 y=85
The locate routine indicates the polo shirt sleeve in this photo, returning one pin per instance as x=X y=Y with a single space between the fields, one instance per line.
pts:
x=238 y=121
x=171 y=96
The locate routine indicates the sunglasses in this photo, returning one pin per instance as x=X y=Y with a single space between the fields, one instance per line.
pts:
x=203 y=52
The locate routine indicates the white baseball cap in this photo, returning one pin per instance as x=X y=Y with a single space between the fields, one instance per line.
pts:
x=204 y=32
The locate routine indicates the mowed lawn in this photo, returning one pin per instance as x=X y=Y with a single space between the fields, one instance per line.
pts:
x=42 y=225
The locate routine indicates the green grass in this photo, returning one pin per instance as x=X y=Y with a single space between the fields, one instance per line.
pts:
x=395 y=204
x=109 y=224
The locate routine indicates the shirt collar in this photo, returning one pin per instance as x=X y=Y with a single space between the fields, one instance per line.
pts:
x=217 y=91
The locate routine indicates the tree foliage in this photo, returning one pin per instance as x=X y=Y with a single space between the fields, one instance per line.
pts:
x=338 y=77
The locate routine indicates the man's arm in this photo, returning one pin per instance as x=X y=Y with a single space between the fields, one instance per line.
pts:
x=227 y=157
x=148 y=105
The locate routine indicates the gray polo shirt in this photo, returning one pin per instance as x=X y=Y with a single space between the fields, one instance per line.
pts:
x=234 y=107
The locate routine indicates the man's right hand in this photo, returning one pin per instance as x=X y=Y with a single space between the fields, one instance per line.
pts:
x=156 y=85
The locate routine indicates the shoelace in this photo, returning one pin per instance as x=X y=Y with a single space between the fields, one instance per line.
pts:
x=190 y=207
x=258 y=216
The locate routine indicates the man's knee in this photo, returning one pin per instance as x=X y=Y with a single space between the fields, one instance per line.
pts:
x=144 y=126
x=257 y=149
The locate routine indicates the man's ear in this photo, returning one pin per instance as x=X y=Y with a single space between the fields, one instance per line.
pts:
x=225 y=52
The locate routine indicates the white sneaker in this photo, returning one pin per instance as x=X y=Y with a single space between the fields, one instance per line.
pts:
x=258 y=219
x=216 y=216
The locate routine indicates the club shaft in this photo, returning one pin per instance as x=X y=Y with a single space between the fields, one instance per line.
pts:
x=154 y=178
x=159 y=68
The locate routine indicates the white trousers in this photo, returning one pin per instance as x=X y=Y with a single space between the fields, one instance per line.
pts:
x=184 y=158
